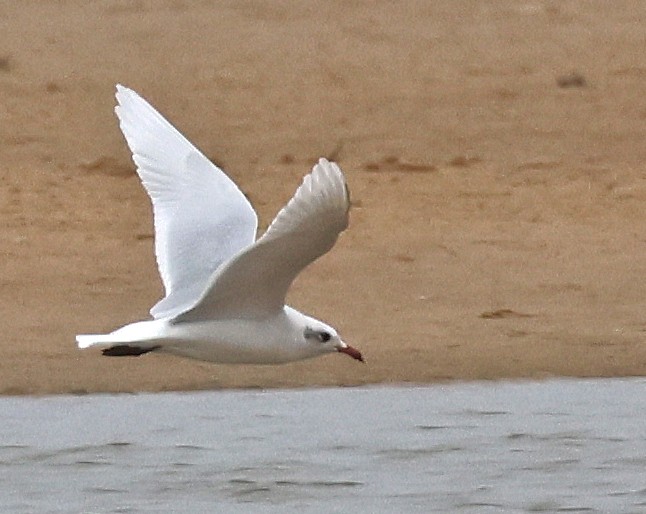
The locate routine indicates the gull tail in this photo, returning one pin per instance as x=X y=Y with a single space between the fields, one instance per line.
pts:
x=88 y=340
x=131 y=340
x=111 y=349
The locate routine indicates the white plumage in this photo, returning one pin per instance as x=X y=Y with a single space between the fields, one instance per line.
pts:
x=225 y=290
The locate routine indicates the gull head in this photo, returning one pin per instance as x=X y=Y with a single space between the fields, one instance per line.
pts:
x=325 y=339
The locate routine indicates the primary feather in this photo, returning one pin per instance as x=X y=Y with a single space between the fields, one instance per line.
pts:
x=201 y=217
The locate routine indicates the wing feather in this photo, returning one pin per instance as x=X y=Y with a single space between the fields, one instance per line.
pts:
x=254 y=283
x=201 y=217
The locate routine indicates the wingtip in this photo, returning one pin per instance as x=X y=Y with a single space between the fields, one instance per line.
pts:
x=329 y=167
x=128 y=101
x=120 y=90
x=123 y=89
x=124 y=94
x=119 y=94
x=333 y=171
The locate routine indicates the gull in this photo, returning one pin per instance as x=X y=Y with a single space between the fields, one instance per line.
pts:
x=224 y=289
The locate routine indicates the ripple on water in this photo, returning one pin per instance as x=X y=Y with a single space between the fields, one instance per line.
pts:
x=419 y=453
x=561 y=446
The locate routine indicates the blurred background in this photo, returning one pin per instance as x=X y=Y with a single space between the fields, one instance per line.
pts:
x=495 y=152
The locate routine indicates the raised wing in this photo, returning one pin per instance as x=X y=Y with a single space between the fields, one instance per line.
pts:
x=201 y=217
x=254 y=283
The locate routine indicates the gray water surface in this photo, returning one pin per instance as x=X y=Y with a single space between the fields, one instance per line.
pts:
x=556 y=446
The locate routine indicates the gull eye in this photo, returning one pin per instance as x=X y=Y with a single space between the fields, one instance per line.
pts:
x=322 y=336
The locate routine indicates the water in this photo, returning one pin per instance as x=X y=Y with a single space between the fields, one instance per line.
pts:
x=557 y=446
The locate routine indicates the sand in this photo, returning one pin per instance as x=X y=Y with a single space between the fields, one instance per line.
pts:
x=495 y=152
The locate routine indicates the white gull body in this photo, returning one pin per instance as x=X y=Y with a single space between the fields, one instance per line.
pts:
x=225 y=290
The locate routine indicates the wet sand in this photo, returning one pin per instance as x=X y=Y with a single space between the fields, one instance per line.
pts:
x=495 y=155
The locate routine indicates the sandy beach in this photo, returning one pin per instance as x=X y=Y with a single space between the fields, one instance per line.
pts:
x=495 y=153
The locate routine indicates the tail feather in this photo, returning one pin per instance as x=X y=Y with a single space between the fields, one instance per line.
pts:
x=113 y=347
x=143 y=335
x=87 y=340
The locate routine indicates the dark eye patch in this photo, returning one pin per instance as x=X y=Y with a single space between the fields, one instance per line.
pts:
x=322 y=336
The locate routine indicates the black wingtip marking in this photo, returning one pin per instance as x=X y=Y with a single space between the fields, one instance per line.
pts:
x=125 y=350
